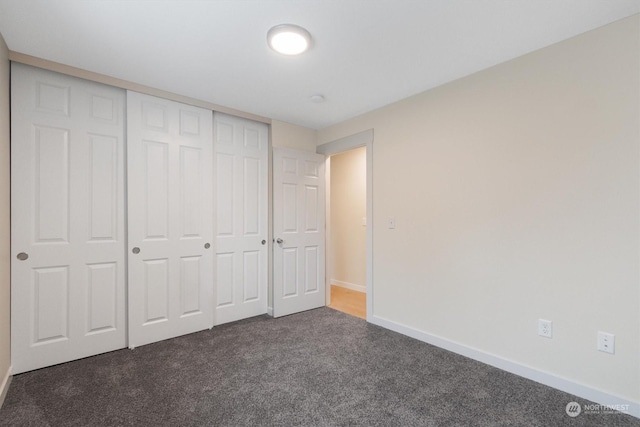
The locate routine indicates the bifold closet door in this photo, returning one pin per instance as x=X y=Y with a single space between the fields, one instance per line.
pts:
x=241 y=171
x=67 y=218
x=170 y=218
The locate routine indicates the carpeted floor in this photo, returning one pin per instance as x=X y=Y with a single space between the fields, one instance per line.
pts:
x=318 y=368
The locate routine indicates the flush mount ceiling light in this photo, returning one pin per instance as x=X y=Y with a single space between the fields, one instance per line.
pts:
x=289 y=39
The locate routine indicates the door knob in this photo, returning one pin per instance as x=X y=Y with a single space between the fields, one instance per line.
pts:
x=136 y=250
x=23 y=256
x=279 y=241
x=264 y=242
x=207 y=245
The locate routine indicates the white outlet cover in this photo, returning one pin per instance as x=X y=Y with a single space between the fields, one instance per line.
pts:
x=606 y=342
x=545 y=328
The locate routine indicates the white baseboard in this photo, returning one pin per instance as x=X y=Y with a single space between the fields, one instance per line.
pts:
x=270 y=311
x=4 y=386
x=352 y=286
x=563 y=384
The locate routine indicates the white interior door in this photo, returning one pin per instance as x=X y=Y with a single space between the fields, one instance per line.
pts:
x=170 y=218
x=67 y=219
x=299 y=230
x=241 y=176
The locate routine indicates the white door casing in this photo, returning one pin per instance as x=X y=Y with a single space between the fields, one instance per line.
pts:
x=299 y=231
x=241 y=224
x=67 y=216
x=170 y=218
x=360 y=139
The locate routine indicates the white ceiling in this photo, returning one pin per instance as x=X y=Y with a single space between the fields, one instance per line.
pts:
x=366 y=53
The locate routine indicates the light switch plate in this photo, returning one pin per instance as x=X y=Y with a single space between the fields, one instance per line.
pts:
x=392 y=222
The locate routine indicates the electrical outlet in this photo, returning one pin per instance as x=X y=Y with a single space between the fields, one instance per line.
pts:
x=545 y=328
x=606 y=342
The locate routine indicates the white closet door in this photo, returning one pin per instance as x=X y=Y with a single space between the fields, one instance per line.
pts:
x=241 y=217
x=170 y=218
x=67 y=219
x=299 y=229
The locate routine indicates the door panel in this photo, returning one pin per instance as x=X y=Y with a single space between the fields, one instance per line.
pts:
x=312 y=269
x=103 y=188
x=170 y=153
x=101 y=302
x=224 y=278
x=190 y=213
x=155 y=188
x=67 y=214
x=190 y=280
x=251 y=275
x=156 y=296
x=241 y=218
x=290 y=271
x=51 y=294
x=298 y=226
x=52 y=184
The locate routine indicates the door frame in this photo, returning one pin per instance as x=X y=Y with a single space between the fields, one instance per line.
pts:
x=360 y=139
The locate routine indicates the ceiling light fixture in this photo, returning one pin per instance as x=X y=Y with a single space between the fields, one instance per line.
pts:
x=289 y=39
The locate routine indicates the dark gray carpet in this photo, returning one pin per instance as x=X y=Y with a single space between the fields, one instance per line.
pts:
x=318 y=368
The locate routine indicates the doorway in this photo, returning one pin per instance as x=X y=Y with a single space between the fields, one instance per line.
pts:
x=362 y=140
x=347 y=210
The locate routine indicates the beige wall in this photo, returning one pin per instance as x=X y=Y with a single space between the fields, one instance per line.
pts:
x=5 y=339
x=347 y=252
x=516 y=197
x=286 y=135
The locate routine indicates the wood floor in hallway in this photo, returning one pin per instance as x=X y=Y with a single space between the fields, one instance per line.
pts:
x=349 y=301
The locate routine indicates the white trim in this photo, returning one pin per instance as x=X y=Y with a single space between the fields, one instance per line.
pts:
x=347 y=143
x=361 y=139
x=560 y=383
x=347 y=285
x=4 y=386
x=328 y=267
